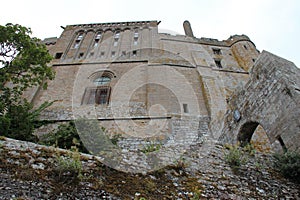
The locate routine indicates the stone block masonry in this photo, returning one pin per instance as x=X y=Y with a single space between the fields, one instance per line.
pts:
x=271 y=98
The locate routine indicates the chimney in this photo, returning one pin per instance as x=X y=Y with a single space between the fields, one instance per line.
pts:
x=188 y=29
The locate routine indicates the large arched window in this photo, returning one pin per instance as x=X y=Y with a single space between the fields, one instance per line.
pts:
x=100 y=92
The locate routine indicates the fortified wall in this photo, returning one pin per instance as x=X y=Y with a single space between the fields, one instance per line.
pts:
x=143 y=84
x=271 y=98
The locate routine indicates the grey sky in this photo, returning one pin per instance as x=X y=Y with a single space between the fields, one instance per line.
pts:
x=273 y=25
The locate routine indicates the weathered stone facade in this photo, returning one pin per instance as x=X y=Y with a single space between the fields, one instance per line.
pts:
x=139 y=83
x=271 y=98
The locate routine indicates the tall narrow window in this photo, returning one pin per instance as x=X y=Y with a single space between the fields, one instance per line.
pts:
x=136 y=33
x=78 y=40
x=116 y=38
x=97 y=39
x=135 y=37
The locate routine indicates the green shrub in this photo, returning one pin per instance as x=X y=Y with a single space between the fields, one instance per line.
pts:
x=68 y=168
x=19 y=121
x=288 y=164
x=66 y=136
x=151 y=147
x=235 y=156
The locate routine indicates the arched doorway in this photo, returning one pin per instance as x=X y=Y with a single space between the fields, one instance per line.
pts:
x=253 y=133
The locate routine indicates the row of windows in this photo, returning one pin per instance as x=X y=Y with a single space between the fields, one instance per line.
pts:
x=98 y=38
x=102 y=54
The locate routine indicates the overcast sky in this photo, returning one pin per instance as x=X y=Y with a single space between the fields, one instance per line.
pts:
x=273 y=25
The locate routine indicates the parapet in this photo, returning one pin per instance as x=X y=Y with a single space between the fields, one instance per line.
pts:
x=50 y=41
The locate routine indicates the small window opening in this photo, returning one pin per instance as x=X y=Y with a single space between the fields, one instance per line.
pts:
x=58 y=55
x=102 y=54
x=134 y=53
x=253 y=59
x=91 y=54
x=218 y=63
x=185 y=108
x=123 y=53
x=113 y=54
x=80 y=55
x=217 y=51
x=245 y=47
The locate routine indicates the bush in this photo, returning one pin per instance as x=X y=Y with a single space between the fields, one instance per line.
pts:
x=235 y=156
x=66 y=136
x=69 y=168
x=288 y=164
x=19 y=121
x=151 y=147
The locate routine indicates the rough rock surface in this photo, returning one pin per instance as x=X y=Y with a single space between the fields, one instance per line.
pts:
x=30 y=171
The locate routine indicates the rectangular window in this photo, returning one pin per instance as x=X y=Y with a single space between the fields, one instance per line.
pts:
x=217 y=51
x=99 y=95
x=58 y=55
x=185 y=108
x=102 y=54
x=218 y=63
x=113 y=54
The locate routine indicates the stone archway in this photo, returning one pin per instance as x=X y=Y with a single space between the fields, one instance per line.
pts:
x=253 y=133
x=270 y=98
x=246 y=131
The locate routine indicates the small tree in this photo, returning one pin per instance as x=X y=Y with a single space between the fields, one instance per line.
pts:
x=23 y=64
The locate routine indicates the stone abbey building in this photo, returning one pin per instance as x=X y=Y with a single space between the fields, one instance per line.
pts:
x=142 y=84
